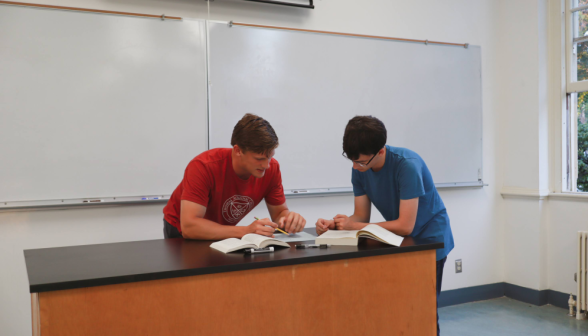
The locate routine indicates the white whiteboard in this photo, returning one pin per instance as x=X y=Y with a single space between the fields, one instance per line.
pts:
x=98 y=105
x=309 y=85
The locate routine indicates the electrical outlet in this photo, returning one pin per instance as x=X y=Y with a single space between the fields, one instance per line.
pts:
x=458 y=266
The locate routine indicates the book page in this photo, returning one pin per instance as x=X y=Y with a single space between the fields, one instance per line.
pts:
x=381 y=234
x=255 y=238
x=339 y=234
x=262 y=241
x=231 y=244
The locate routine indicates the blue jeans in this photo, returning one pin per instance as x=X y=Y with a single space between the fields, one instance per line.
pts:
x=440 y=265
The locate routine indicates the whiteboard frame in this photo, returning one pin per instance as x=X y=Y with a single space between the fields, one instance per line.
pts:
x=59 y=204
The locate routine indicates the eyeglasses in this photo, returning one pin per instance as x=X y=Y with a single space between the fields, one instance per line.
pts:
x=363 y=165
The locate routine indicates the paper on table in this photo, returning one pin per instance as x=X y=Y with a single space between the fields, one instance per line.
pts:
x=296 y=237
x=340 y=234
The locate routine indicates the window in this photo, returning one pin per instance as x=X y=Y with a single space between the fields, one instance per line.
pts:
x=575 y=126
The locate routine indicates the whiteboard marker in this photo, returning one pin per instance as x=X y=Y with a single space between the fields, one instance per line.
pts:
x=151 y=198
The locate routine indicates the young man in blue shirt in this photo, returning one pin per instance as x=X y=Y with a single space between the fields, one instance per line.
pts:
x=397 y=181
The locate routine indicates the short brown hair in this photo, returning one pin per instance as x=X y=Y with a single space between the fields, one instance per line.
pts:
x=253 y=133
x=363 y=135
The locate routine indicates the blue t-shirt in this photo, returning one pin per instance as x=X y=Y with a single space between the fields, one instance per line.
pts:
x=405 y=176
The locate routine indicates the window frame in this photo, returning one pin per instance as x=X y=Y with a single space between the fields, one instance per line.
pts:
x=569 y=173
x=571 y=84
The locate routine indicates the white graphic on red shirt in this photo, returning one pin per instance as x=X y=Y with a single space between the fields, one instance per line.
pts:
x=236 y=207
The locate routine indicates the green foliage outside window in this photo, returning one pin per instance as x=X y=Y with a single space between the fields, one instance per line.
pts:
x=582 y=142
x=582 y=62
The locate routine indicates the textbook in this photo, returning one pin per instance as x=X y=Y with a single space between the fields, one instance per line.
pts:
x=250 y=240
x=351 y=237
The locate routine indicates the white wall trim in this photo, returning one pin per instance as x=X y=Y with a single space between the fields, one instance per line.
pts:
x=557 y=92
x=570 y=196
x=517 y=192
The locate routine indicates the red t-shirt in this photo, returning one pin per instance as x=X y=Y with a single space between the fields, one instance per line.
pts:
x=210 y=181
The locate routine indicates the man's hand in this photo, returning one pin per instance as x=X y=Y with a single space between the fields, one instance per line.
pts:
x=324 y=225
x=343 y=222
x=264 y=227
x=292 y=222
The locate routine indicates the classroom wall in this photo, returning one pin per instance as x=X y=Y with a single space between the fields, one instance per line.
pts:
x=567 y=214
x=523 y=40
x=567 y=217
x=476 y=214
x=540 y=225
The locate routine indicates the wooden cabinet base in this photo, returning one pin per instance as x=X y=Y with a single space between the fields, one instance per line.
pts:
x=380 y=295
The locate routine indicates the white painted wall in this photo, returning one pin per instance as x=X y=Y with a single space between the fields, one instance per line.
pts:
x=476 y=214
x=524 y=111
x=567 y=214
x=540 y=225
x=518 y=90
x=567 y=217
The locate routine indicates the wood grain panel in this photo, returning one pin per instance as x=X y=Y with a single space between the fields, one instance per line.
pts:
x=381 y=295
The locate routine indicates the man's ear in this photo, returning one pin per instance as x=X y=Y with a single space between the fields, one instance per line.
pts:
x=382 y=151
x=237 y=150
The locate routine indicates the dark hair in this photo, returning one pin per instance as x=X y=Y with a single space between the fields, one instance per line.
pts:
x=253 y=133
x=363 y=135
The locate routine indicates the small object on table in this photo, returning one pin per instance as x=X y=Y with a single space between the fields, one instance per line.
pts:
x=306 y=246
x=259 y=250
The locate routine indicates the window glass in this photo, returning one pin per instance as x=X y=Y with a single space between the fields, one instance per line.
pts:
x=582 y=138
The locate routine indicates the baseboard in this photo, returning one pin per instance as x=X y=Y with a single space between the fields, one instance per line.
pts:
x=524 y=294
x=471 y=294
x=558 y=299
x=500 y=289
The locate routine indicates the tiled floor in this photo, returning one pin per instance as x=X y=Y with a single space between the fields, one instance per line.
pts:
x=508 y=317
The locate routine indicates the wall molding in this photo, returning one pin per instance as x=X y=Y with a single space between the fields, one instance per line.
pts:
x=570 y=196
x=541 y=194
x=500 y=289
x=517 y=192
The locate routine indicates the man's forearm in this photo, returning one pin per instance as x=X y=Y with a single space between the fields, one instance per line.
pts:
x=204 y=229
x=283 y=213
x=359 y=220
x=397 y=227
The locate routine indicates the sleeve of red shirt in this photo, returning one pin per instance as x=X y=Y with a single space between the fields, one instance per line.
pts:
x=197 y=183
x=275 y=194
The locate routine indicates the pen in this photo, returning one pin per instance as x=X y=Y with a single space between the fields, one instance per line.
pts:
x=259 y=250
x=306 y=246
x=277 y=229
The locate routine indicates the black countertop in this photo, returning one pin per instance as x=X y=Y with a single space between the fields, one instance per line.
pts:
x=60 y=268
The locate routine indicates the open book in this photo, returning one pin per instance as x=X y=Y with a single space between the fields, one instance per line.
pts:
x=251 y=240
x=351 y=237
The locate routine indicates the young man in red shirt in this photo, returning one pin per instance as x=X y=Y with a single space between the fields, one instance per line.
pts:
x=222 y=185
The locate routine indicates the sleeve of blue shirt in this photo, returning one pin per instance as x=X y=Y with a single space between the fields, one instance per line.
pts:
x=357 y=186
x=410 y=179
